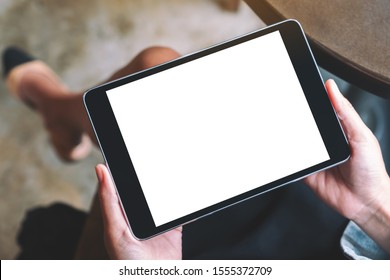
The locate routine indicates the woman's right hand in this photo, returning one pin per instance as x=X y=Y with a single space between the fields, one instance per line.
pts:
x=120 y=243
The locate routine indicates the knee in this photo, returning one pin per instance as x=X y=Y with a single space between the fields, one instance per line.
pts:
x=155 y=55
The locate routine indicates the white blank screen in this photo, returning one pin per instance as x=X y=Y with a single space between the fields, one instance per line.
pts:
x=216 y=127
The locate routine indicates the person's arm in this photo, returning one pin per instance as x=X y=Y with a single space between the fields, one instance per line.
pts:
x=120 y=243
x=359 y=189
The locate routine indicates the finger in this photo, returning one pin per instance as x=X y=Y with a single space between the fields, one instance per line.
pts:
x=354 y=127
x=179 y=229
x=112 y=214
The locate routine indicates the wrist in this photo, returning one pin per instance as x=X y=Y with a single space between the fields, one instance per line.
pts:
x=374 y=218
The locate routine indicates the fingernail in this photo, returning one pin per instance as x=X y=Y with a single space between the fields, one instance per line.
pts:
x=99 y=174
x=334 y=86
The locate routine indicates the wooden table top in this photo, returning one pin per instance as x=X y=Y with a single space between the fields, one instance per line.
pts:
x=349 y=38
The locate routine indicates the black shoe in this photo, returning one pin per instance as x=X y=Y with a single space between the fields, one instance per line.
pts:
x=12 y=57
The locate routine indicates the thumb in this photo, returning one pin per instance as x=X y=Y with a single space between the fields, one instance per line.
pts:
x=354 y=127
x=113 y=217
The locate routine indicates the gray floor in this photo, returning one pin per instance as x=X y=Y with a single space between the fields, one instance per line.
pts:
x=84 y=42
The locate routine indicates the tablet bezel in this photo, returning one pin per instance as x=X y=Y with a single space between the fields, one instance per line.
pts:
x=118 y=160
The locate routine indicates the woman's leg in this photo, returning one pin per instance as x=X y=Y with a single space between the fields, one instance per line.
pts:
x=62 y=111
x=68 y=125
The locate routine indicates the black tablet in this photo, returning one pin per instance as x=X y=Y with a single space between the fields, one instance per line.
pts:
x=213 y=128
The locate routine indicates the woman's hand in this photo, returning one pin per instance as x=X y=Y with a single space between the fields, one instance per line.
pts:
x=359 y=189
x=120 y=243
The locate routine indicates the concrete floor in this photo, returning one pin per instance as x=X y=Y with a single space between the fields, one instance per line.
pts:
x=84 y=42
